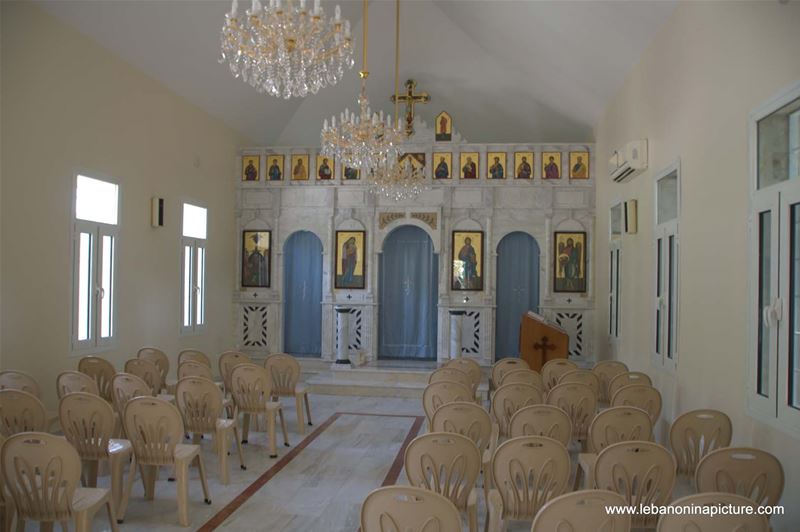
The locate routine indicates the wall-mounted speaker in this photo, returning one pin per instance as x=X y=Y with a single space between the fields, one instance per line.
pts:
x=157 y=212
x=631 y=213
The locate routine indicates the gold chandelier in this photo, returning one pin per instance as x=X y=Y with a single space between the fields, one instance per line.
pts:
x=364 y=140
x=286 y=50
x=402 y=179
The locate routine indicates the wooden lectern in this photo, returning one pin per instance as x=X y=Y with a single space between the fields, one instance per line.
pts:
x=541 y=340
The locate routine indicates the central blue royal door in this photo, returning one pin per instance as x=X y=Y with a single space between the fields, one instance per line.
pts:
x=407 y=314
x=517 y=289
x=302 y=294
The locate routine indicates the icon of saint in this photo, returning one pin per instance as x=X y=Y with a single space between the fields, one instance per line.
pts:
x=551 y=169
x=496 y=170
x=274 y=172
x=299 y=171
x=469 y=171
x=250 y=172
x=469 y=261
x=324 y=171
x=524 y=170
x=442 y=170
x=579 y=168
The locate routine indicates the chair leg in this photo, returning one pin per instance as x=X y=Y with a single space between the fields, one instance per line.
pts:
x=123 y=505
x=111 y=518
x=221 y=443
x=577 y=484
x=273 y=445
x=182 y=476
x=238 y=446
x=245 y=427
x=301 y=425
x=472 y=517
x=203 y=479
x=150 y=483
x=308 y=409
x=116 y=480
x=283 y=427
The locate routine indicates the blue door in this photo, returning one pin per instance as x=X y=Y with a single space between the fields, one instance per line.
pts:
x=517 y=289
x=302 y=294
x=408 y=291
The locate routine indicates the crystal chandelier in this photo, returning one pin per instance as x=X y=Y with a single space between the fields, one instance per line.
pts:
x=364 y=140
x=401 y=179
x=286 y=50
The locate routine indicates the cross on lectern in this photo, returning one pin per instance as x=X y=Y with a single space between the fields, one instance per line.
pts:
x=410 y=99
x=544 y=346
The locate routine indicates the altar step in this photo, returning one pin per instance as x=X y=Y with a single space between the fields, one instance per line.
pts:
x=376 y=379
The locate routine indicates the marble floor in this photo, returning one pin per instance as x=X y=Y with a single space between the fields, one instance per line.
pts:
x=317 y=484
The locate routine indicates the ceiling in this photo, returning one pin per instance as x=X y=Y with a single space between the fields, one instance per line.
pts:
x=507 y=71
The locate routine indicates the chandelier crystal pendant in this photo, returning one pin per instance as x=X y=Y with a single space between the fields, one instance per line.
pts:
x=286 y=50
x=364 y=140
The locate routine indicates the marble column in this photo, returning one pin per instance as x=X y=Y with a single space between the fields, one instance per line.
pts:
x=456 y=327
x=343 y=334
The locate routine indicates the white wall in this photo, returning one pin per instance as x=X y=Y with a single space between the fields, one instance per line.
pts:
x=69 y=104
x=690 y=96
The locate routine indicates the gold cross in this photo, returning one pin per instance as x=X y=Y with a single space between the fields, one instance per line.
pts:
x=409 y=98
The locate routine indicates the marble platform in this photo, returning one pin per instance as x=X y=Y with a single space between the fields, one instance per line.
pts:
x=382 y=378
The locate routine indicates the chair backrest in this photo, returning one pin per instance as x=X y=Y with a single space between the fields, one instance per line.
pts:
x=127 y=386
x=626 y=379
x=642 y=472
x=619 y=423
x=192 y=368
x=466 y=418
x=582 y=376
x=440 y=393
x=450 y=375
x=641 y=396
x=199 y=401
x=752 y=473
x=525 y=376
x=20 y=412
x=718 y=522
x=102 y=371
x=444 y=462
x=504 y=365
x=194 y=355
x=554 y=369
x=19 y=380
x=605 y=371
x=88 y=423
x=578 y=401
x=696 y=433
x=157 y=357
x=583 y=511
x=41 y=473
x=285 y=372
x=408 y=509
x=227 y=361
x=75 y=381
x=509 y=398
x=468 y=366
x=251 y=387
x=154 y=427
x=145 y=370
x=529 y=471
x=542 y=420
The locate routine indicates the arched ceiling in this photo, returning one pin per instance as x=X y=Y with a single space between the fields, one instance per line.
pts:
x=507 y=71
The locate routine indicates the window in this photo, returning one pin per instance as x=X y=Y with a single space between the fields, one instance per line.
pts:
x=774 y=349
x=193 y=244
x=94 y=264
x=665 y=341
x=615 y=226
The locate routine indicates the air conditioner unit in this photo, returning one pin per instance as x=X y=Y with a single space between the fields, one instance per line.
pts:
x=629 y=161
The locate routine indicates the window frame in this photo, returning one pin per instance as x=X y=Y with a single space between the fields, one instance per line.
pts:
x=615 y=265
x=777 y=199
x=194 y=244
x=666 y=315
x=95 y=344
